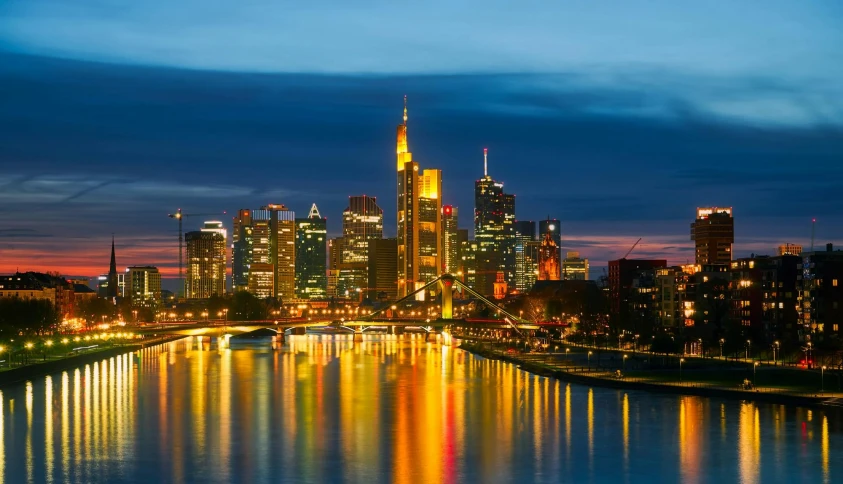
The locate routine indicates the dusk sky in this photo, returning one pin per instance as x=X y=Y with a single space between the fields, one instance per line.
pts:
x=618 y=118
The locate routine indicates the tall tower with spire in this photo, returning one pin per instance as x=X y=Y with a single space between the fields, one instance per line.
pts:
x=112 y=292
x=494 y=232
x=408 y=209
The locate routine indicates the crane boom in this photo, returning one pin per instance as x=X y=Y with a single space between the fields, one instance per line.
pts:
x=632 y=248
x=180 y=216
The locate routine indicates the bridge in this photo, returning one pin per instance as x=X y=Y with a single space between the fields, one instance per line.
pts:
x=440 y=326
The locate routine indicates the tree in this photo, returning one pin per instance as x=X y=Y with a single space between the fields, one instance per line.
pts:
x=95 y=310
x=26 y=316
x=246 y=307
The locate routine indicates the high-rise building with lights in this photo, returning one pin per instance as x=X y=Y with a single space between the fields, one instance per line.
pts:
x=143 y=285
x=574 y=268
x=494 y=215
x=526 y=254
x=450 y=245
x=713 y=233
x=789 y=249
x=418 y=216
x=205 y=275
x=362 y=222
x=311 y=255
x=265 y=237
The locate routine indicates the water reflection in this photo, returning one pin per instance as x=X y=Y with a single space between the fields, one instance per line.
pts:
x=396 y=409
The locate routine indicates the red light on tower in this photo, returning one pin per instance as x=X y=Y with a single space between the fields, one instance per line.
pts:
x=447 y=209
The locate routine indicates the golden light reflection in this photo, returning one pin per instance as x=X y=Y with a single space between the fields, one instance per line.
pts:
x=2 y=440
x=748 y=446
x=625 y=412
x=824 y=449
x=29 y=463
x=591 y=428
x=48 y=427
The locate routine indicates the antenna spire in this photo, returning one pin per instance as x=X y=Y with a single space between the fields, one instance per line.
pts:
x=405 y=110
x=485 y=161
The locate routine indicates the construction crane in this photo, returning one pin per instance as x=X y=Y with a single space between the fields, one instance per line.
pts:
x=180 y=216
x=631 y=248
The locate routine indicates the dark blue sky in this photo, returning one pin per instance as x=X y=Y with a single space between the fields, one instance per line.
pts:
x=112 y=117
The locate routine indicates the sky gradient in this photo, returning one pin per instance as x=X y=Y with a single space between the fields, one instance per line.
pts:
x=617 y=121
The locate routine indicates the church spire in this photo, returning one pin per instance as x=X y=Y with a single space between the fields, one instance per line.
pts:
x=111 y=289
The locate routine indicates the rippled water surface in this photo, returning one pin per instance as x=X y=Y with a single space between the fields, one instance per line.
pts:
x=324 y=409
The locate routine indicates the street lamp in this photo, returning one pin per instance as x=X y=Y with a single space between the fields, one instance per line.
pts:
x=567 y=350
x=754 y=366
x=681 y=360
x=624 y=361
x=589 y=360
x=702 y=353
x=721 y=347
x=775 y=350
x=748 y=346
x=822 y=379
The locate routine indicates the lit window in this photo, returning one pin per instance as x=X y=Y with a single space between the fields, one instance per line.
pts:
x=834 y=282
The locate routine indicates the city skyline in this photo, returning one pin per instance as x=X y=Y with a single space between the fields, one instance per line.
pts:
x=129 y=135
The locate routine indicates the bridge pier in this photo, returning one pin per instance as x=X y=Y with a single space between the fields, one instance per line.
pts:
x=358 y=337
x=299 y=331
x=278 y=339
x=446 y=338
x=431 y=337
x=395 y=330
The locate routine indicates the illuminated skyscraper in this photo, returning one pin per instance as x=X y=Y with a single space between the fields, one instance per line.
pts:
x=418 y=217
x=494 y=215
x=713 y=233
x=311 y=255
x=574 y=268
x=450 y=245
x=526 y=254
x=383 y=269
x=362 y=222
x=266 y=237
x=430 y=226
x=205 y=276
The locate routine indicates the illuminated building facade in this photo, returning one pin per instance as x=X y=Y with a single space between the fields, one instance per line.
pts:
x=205 y=276
x=334 y=260
x=713 y=233
x=549 y=267
x=821 y=302
x=261 y=280
x=419 y=217
x=494 y=216
x=143 y=286
x=361 y=224
x=265 y=237
x=430 y=226
x=250 y=246
x=450 y=245
x=622 y=274
x=789 y=249
x=311 y=255
x=526 y=254
x=574 y=268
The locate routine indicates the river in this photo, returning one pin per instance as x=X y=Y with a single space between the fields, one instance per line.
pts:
x=390 y=409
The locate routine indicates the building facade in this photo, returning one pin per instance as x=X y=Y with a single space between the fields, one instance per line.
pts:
x=143 y=286
x=713 y=233
x=383 y=269
x=526 y=254
x=821 y=300
x=574 y=268
x=494 y=216
x=550 y=268
x=311 y=255
x=450 y=244
x=265 y=237
x=205 y=275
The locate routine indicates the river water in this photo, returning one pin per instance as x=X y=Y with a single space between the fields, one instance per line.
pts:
x=390 y=409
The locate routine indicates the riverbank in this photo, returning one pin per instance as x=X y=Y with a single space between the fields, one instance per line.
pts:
x=35 y=370
x=607 y=378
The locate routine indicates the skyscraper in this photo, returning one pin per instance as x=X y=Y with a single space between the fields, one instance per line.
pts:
x=383 y=269
x=494 y=215
x=266 y=237
x=526 y=254
x=418 y=216
x=713 y=233
x=574 y=268
x=430 y=225
x=450 y=245
x=311 y=255
x=205 y=262
x=111 y=289
x=362 y=222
